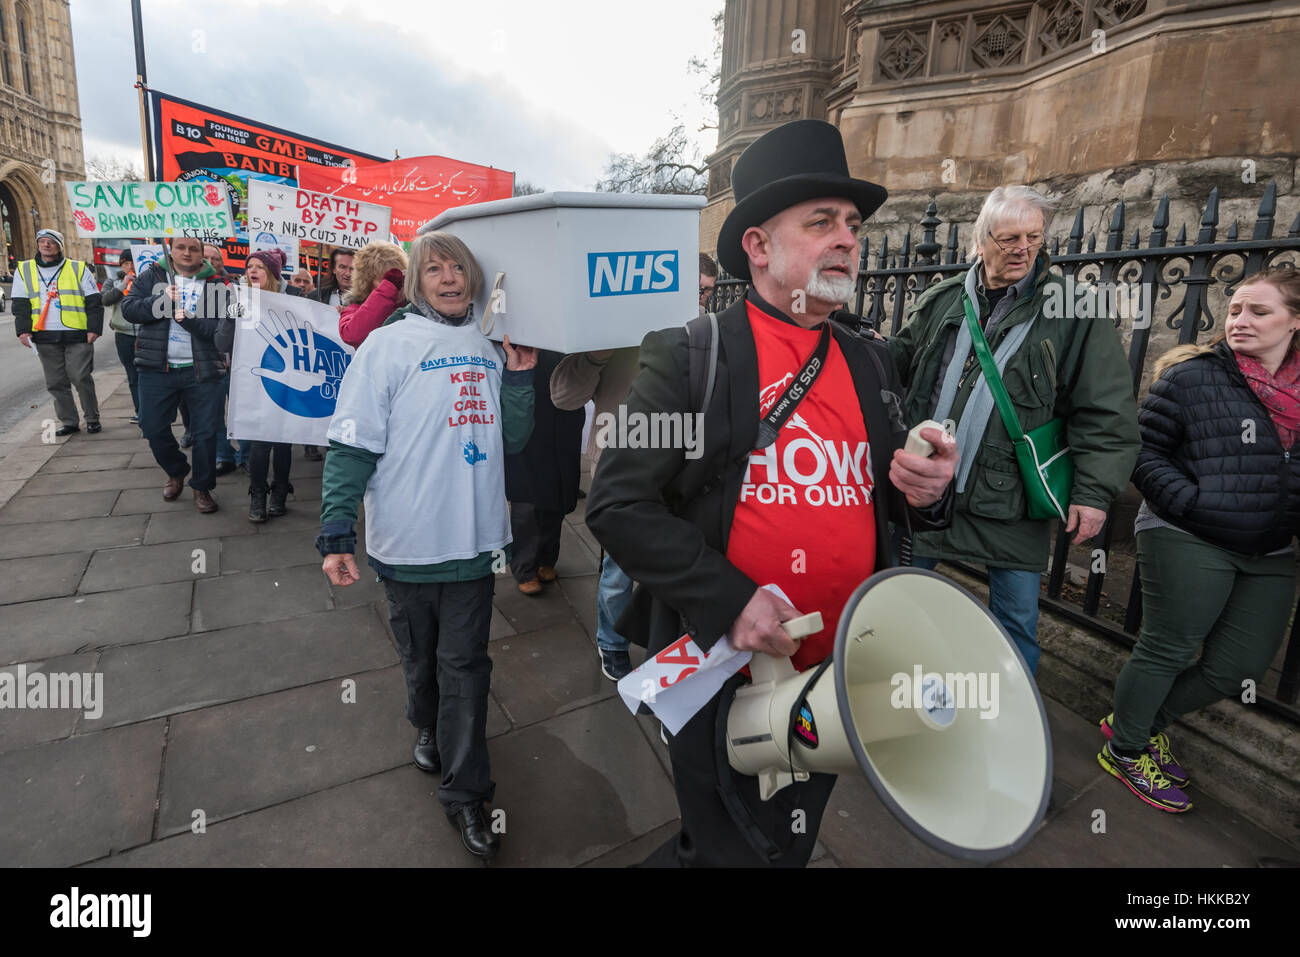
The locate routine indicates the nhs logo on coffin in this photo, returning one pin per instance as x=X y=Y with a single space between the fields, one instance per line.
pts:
x=632 y=273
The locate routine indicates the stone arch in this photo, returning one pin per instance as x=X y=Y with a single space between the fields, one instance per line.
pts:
x=23 y=183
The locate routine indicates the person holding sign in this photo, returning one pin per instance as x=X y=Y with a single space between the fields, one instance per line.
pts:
x=57 y=311
x=426 y=412
x=177 y=304
x=802 y=469
x=261 y=271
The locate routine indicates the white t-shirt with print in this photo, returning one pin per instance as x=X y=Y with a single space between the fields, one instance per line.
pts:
x=427 y=398
x=180 y=349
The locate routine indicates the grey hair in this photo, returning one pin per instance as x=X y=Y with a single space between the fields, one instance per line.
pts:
x=1008 y=204
x=446 y=246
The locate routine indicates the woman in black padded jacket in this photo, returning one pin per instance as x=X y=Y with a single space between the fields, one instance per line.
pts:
x=1219 y=472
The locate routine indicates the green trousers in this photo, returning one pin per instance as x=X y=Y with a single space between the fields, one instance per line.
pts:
x=1198 y=597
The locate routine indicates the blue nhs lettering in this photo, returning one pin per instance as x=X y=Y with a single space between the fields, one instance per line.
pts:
x=632 y=273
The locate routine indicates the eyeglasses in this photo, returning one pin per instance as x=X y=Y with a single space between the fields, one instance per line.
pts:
x=1011 y=245
x=705 y=290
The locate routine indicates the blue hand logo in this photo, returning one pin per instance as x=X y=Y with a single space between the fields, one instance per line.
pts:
x=301 y=369
x=472 y=454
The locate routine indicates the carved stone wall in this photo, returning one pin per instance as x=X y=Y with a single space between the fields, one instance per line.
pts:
x=40 y=126
x=950 y=98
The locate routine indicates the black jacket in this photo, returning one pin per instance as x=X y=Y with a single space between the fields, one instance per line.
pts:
x=149 y=308
x=327 y=289
x=548 y=470
x=645 y=505
x=1212 y=462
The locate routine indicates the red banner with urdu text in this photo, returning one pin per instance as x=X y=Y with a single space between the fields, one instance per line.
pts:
x=416 y=189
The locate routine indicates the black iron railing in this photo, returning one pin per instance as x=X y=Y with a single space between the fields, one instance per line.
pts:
x=1172 y=293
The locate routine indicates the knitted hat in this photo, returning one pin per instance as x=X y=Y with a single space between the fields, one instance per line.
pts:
x=52 y=234
x=272 y=259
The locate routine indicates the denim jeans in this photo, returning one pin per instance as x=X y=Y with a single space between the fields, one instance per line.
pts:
x=1013 y=599
x=160 y=393
x=611 y=600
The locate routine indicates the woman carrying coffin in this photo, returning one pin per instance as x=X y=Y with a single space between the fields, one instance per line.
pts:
x=426 y=413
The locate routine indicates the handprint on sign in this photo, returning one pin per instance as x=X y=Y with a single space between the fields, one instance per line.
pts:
x=287 y=339
x=302 y=367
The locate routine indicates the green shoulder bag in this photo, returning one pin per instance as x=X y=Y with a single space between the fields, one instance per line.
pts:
x=1046 y=469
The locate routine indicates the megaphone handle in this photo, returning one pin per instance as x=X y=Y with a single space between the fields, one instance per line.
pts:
x=764 y=667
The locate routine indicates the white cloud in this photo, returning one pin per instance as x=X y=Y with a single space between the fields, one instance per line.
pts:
x=545 y=89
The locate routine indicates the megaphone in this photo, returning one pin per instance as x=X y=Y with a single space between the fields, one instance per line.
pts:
x=925 y=695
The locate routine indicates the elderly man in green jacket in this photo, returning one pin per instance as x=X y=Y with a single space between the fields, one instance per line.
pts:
x=1053 y=364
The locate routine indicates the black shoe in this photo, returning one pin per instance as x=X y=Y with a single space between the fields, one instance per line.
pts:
x=278 y=494
x=311 y=453
x=66 y=430
x=475 y=833
x=93 y=427
x=225 y=468
x=614 y=665
x=187 y=440
x=426 y=752
x=257 y=506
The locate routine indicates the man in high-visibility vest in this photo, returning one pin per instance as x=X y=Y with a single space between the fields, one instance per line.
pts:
x=57 y=310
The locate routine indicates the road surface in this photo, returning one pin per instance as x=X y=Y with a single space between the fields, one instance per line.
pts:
x=22 y=384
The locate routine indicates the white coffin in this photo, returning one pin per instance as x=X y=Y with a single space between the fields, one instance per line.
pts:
x=583 y=271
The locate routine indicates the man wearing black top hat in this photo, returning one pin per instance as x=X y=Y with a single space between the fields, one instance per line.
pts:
x=803 y=503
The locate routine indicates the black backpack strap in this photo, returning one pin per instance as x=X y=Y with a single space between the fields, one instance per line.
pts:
x=702 y=359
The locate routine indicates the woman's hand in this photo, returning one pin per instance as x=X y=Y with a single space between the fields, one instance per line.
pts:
x=341 y=569
x=519 y=358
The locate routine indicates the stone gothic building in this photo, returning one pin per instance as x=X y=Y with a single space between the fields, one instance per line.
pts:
x=40 y=127
x=1091 y=101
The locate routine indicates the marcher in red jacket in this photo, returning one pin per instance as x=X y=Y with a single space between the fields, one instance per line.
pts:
x=376 y=293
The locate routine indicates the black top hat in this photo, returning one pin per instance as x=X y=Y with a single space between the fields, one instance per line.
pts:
x=786 y=166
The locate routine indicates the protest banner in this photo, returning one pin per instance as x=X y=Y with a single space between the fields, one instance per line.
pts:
x=308 y=216
x=195 y=143
x=134 y=209
x=416 y=189
x=285 y=370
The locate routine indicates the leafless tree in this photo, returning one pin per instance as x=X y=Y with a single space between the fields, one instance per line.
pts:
x=525 y=188
x=109 y=169
x=671 y=165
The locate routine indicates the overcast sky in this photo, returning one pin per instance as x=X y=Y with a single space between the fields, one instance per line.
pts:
x=546 y=89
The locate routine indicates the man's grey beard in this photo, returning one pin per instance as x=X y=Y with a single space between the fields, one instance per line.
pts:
x=838 y=290
x=830 y=290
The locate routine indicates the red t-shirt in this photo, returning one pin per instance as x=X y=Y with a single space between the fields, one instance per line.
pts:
x=806 y=517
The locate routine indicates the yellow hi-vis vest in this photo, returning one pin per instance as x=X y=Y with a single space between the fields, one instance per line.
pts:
x=72 y=304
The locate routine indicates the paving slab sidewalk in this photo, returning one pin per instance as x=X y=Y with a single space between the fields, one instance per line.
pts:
x=253 y=714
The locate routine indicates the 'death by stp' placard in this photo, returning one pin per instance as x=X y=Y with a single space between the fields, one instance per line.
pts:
x=126 y=210
x=307 y=216
x=285 y=370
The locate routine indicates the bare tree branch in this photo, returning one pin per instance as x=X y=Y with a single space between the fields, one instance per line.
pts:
x=106 y=169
